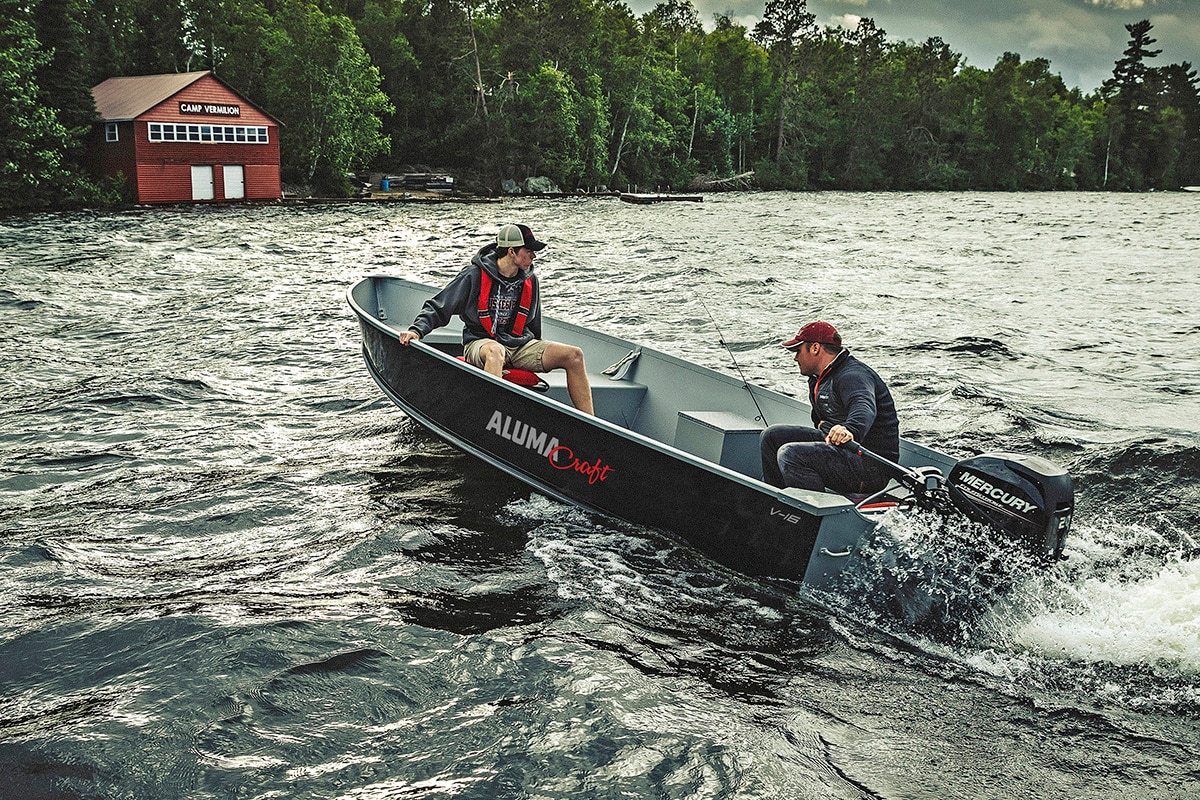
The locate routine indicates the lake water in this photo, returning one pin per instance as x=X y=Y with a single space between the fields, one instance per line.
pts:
x=231 y=569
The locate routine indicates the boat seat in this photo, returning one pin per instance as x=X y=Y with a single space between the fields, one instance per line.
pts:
x=616 y=401
x=721 y=437
x=522 y=377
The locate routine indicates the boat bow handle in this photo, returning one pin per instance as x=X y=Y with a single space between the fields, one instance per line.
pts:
x=825 y=551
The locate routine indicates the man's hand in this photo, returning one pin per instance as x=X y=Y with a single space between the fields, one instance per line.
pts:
x=839 y=434
x=408 y=336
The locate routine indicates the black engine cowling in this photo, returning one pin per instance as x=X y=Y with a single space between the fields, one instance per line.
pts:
x=1027 y=497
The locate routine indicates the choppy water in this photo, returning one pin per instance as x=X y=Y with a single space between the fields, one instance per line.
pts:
x=230 y=569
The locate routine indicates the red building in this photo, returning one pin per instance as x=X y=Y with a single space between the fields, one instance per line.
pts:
x=185 y=137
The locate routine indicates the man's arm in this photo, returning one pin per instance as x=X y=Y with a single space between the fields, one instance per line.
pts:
x=857 y=393
x=437 y=310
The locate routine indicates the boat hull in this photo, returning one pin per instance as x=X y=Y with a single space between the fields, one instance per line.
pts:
x=598 y=466
x=603 y=466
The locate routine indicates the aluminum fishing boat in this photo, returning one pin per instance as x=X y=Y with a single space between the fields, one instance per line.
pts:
x=675 y=446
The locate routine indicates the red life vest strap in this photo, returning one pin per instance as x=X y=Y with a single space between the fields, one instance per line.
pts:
x=485 y=312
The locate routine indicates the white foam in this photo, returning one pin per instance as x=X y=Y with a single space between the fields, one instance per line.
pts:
x=1152 y=621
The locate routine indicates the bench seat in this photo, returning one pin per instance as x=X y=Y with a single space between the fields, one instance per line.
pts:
x=615 y=401
x=722 y=437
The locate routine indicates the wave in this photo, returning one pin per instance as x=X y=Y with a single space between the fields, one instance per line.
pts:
x=1115 y=622
x=928 y=575
x=970 y=345
x=87 y=393
x=10 y=299
x=1153 y=480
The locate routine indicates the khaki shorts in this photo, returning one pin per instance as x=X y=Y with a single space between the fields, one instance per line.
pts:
x=528 y=356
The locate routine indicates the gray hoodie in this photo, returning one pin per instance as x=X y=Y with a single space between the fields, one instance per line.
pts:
x=461 y=296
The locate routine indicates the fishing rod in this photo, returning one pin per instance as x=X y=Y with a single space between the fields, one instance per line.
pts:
x=745 y=383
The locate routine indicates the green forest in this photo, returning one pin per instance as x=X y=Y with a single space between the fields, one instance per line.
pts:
x=591 y=96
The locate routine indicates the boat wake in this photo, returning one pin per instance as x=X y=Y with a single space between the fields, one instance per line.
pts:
x=1112 y=625
x=1115 y=624
x=926 y=574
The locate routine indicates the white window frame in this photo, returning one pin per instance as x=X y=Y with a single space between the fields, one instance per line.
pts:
x=207 y=134
x=112 y=132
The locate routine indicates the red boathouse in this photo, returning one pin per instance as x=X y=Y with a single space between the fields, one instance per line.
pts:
x=185 y=137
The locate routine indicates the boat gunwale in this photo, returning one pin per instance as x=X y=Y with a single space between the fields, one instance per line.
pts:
x=911 y=452
x=590 y=333
x=822 y=504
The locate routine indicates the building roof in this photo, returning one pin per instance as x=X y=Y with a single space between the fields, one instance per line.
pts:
x=121 y=99
x=125 y=99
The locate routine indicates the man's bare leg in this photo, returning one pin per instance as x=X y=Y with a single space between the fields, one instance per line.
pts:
x=570 y=359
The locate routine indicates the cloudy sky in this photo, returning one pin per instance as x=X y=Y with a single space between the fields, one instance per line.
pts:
x=1082 y=39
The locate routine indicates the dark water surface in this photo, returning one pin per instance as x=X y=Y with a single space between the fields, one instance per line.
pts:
x=230 y=569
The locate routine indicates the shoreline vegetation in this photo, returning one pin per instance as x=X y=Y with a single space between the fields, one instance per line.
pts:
x=587 y=97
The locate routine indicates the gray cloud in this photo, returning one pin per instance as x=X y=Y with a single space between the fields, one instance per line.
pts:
x=1081 y=39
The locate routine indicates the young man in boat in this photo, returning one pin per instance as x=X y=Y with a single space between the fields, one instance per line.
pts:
x=851 y=402
x=498 y=299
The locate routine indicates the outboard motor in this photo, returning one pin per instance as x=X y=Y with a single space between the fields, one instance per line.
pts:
x=1026 y=497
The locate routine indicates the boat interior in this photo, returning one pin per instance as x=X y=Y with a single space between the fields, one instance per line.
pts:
x=700 y=411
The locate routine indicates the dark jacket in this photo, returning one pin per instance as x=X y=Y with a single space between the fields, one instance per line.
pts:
x=851 y=394
x=461 y=297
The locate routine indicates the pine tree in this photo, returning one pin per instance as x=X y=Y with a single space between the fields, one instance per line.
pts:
x=61 y=80
x=1180 y=90
x=30 y=134
x=784 y=25
x=1129 y=124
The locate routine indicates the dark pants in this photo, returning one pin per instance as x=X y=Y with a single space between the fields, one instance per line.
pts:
x=797 y=456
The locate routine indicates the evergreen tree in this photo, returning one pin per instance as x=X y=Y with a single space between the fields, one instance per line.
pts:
x=587 y=94
x=444 y=125
x=547 y=126
x=32 y=170
x=63 y=86
x=934 y=130
x=382 y=31
x=784 y=26
x=873 y=135
x=1178 y=89
x=62 y=81
x=736 y=70
x=1130 y=123
x=326 y=92
x=1129 y=74
x=228 y=39
x=136 y=37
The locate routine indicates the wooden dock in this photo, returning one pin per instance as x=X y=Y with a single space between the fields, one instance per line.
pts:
x=645 y=199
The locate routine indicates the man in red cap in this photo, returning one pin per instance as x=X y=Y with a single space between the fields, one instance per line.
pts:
x=498 y=300
x=851 y=402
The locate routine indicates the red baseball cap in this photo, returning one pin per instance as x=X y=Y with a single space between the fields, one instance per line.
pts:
x=817 y=331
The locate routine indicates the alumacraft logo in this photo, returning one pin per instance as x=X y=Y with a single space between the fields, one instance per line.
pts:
x=560 y=456
x=998 y=494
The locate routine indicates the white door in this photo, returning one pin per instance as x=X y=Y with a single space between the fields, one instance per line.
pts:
x=202 y=182
x=235 y=182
